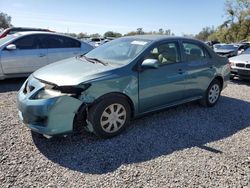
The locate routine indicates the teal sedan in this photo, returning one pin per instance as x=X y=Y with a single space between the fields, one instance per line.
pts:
x=104 y=89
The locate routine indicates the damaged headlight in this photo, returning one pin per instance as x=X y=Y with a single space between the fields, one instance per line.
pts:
x=46 y=94
x=50 y=91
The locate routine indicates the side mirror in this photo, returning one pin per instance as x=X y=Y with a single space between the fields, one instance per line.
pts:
x=150 y=63
x=11 y=47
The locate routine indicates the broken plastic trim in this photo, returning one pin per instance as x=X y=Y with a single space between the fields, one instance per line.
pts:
x=72 y=89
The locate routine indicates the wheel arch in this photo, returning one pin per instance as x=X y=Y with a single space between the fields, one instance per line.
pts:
x=81 y=113
x=220 y=79
x=117 y=94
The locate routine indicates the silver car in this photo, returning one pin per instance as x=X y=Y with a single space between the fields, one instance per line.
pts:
x=23 y=53
x=240 y=65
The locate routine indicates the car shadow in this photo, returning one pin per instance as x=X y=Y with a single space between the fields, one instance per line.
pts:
x=12 y=84
x=152 y=136
x=240 y=81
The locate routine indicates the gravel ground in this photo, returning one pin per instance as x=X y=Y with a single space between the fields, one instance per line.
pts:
x=185 y=146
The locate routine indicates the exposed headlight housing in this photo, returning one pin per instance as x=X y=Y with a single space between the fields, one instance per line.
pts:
x=46 y=94
x=51 y=91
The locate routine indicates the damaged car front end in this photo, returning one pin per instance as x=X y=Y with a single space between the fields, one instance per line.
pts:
x=48 y=109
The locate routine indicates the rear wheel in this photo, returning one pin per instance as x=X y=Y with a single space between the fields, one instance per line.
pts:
x=212 y=94
x=110 y=116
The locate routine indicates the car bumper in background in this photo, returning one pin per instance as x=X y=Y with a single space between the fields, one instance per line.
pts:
x=240 y=72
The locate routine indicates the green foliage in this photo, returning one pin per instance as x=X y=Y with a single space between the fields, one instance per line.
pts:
x=5 y=21
x=141 y=32
x=237 y=26
x=205 y=33
x=82 y=35
x=112 y=34
x=95 y=35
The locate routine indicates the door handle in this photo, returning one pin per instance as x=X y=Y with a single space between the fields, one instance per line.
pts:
x=42 y=55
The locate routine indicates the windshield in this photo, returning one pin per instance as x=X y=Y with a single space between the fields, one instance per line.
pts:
x=228 y=47
x=247 y=51
x=120 y=51
x=6 y=39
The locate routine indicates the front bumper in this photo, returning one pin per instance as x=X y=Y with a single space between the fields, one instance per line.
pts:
x=53 y=116
x=240 y=72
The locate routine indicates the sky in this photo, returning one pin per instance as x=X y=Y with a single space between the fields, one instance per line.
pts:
x=99 y=16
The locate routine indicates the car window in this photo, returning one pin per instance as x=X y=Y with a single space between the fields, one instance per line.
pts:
x=166 y=53
x=12 y=32
x=27 y=42
x=194 y=52
x=54 y=41
x=71 y=43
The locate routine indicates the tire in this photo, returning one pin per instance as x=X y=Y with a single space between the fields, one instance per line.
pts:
x=110 y=116
x=232 y=77
x=212 y=94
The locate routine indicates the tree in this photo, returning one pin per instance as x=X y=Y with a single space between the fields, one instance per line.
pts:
x=168 y=32
x=205 y=33
x=82 y=35
x=95 y=35
x=140 y=31
x=112 y=34
x=5 y=21
x=237 y=26
x=161 y=32
x=131 y=33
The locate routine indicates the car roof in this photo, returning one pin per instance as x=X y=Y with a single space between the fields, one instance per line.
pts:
x=160 y=37
x=25 y=33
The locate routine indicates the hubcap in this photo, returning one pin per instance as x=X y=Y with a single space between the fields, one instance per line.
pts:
x=113 y=118
x=214 y=93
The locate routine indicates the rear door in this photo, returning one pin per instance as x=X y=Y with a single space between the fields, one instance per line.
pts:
x=28 y=56
x=61 y=47
x=199 y=68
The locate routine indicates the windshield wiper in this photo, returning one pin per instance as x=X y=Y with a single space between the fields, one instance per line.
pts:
x=93 y=60
x=98 y=61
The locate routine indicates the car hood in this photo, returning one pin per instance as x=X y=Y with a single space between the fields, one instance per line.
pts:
x=223 y=51
x=72 y=71
x=242 y=58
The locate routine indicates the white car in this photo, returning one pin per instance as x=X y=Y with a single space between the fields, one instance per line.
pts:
x=23 y=53
x=240 y=65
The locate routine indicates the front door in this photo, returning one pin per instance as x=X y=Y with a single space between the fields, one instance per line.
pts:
x=27 y=57
x=164 y=85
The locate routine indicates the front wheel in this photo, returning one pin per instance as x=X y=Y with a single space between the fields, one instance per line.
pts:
x=212 y=94
x=110 y=116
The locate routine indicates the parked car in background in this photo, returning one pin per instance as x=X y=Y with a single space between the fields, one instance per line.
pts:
x=230 y=50
x=24 y=52
x=211 y=43
x=96 y=41
x=243 y=47
x=120 y=80
x=240 y=65
x=13 y=30
x=217 y=46
x=227 y=50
